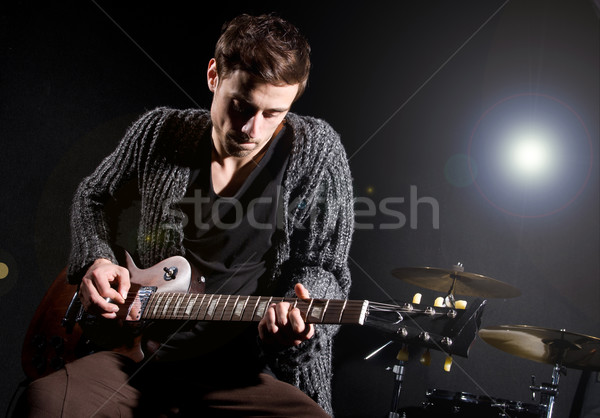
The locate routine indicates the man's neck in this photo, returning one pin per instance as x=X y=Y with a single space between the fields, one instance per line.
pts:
x=228 y=172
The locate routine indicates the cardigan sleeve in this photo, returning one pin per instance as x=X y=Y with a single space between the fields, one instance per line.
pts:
x=321 y=225
x=90 y=235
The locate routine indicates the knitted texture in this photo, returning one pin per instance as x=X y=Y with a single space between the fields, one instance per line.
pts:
x=310 y=245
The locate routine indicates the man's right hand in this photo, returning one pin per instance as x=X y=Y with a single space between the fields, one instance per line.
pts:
x=101 y=281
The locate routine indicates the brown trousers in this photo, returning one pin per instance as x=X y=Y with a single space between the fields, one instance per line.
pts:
x=107 y=384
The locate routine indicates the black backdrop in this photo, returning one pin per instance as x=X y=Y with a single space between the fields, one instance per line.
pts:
x=407 y=85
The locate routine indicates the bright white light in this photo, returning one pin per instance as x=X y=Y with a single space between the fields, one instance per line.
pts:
x=529 y=155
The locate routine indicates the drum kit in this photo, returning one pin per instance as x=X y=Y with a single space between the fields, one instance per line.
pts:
x=559 y=348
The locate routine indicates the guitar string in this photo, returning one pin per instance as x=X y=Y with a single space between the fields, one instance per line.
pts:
x=227 y=307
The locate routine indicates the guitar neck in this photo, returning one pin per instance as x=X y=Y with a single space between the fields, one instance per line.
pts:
x=213 y=307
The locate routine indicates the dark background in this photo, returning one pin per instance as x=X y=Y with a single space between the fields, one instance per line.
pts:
x=410 y=86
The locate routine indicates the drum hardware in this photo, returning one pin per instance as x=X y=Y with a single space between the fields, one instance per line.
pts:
x=455 y=282
x=560 y=348
x=548 y=391
x=442 y=403
x=398 y=370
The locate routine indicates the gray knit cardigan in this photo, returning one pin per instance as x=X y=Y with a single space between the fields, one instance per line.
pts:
x=311 y=245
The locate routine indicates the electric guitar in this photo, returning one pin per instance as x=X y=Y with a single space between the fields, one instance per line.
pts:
x=169 y=290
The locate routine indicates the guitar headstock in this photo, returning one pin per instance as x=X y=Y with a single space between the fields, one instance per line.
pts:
x=448 y=329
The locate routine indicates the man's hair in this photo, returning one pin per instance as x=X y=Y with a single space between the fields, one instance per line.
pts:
x=267 y=47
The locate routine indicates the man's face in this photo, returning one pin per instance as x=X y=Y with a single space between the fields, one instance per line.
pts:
x=245 y=113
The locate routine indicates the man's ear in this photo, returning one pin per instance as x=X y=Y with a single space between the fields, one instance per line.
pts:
x=211 y=75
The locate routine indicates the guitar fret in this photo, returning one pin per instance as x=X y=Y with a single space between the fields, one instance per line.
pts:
x=190 y=305
x=149 y=306
x=342 y=311
x=308 y=309
x=261 y=308
x=356 y=314
x=229 y=308
x=221 y=307
x=196 y=307
x=249 y=313
x=169 y=299
x=201 y=311
x=159 y=298
x=204 y=307
x=318 y=312
x=182 y=310
x=238 y=310
x=335 y=312
x=176 y=309
x=212 y=305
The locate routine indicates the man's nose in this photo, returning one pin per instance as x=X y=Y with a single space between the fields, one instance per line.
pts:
x=252 y=126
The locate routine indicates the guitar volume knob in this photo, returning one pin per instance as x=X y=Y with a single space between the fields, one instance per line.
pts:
x=170 y=273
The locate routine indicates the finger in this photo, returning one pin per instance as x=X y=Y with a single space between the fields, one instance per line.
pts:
x=124 y=283
x=309 y=331
x=282 y=311
x=296 y=321
x=303 y=330
x=94 y=302
x=301 y=291
x=271 y=320
x=106 y=291
x=103 y=277
x=306 y=334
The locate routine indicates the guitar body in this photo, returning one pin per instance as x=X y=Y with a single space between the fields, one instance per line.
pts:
x=48 y=345
x=51 y=342
x=172 y=275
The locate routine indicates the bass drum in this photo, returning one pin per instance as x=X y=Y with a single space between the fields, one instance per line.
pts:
x=442 y=403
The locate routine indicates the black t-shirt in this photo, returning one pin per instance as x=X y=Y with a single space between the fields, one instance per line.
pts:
x=228 y=239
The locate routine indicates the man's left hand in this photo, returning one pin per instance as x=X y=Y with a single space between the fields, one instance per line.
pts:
x=284 y=326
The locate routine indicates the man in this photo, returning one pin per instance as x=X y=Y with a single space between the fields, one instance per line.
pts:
x=258 y=199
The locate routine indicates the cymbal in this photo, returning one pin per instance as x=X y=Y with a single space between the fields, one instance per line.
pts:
x=545 y=345
x=469 y=284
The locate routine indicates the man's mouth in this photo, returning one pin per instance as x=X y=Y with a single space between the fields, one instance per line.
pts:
x=242 y=140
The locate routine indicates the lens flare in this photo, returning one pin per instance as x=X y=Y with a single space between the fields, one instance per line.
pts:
x=530 y=156
x=534 y=154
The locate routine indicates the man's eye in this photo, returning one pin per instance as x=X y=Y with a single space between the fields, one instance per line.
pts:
x=239 y=107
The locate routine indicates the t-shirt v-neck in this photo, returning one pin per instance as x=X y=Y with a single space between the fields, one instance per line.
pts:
x=228 y=238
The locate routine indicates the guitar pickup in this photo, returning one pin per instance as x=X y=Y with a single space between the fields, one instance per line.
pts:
x=137 y=306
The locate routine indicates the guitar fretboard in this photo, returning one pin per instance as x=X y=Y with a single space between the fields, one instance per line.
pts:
x=213 y=307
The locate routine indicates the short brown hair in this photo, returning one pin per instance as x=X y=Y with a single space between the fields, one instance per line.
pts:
x=267 y=47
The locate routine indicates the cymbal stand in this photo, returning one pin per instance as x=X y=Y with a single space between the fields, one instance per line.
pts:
x=450 y=296
x=398 y=370
x=548 y=391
